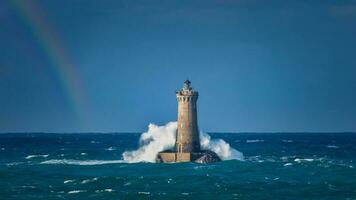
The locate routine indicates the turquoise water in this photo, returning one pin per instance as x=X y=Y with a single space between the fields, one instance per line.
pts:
x=90 y=166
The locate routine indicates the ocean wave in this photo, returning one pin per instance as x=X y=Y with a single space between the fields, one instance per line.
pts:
x=254 y=141
x=81 y=162
x=36 y=156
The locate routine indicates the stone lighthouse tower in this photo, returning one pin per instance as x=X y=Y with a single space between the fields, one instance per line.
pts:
x=187 y=138
x=187 y=145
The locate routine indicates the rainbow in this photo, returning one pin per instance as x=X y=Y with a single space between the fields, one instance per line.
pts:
x=48 y=41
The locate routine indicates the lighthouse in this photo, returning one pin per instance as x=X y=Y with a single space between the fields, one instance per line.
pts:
x=187 y=144
x=187 y=136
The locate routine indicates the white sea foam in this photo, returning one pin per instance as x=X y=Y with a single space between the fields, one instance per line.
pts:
x=81 y=162
x=287 y=164
x=159 y=138
x=254 y=141
x=36 y=156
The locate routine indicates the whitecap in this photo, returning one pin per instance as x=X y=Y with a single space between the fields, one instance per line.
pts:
x=254 y=141
x=36 y=156
x=287 y=164
x=105 y=190
x=83 y=154
x=81 y=162
x=68 y=181
x=76 y=191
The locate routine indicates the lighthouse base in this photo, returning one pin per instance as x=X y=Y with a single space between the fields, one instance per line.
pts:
x=199 y=157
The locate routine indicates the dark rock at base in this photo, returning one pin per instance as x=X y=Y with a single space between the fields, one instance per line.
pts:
x=170 y=156
x=208 y=157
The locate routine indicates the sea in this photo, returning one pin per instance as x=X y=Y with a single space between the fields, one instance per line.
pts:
x=92 y=166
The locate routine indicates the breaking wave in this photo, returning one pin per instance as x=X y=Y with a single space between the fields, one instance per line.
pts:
x=156 y=139
x=159 y=138
x=220 y=147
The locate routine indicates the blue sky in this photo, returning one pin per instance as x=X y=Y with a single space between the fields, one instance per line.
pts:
x=259 y=65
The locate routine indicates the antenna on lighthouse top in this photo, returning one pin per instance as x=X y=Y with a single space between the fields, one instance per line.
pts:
x=187 y=85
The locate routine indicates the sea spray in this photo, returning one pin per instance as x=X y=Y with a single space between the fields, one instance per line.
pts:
x=156 y=139
x=159 y=138
x=220 y=147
